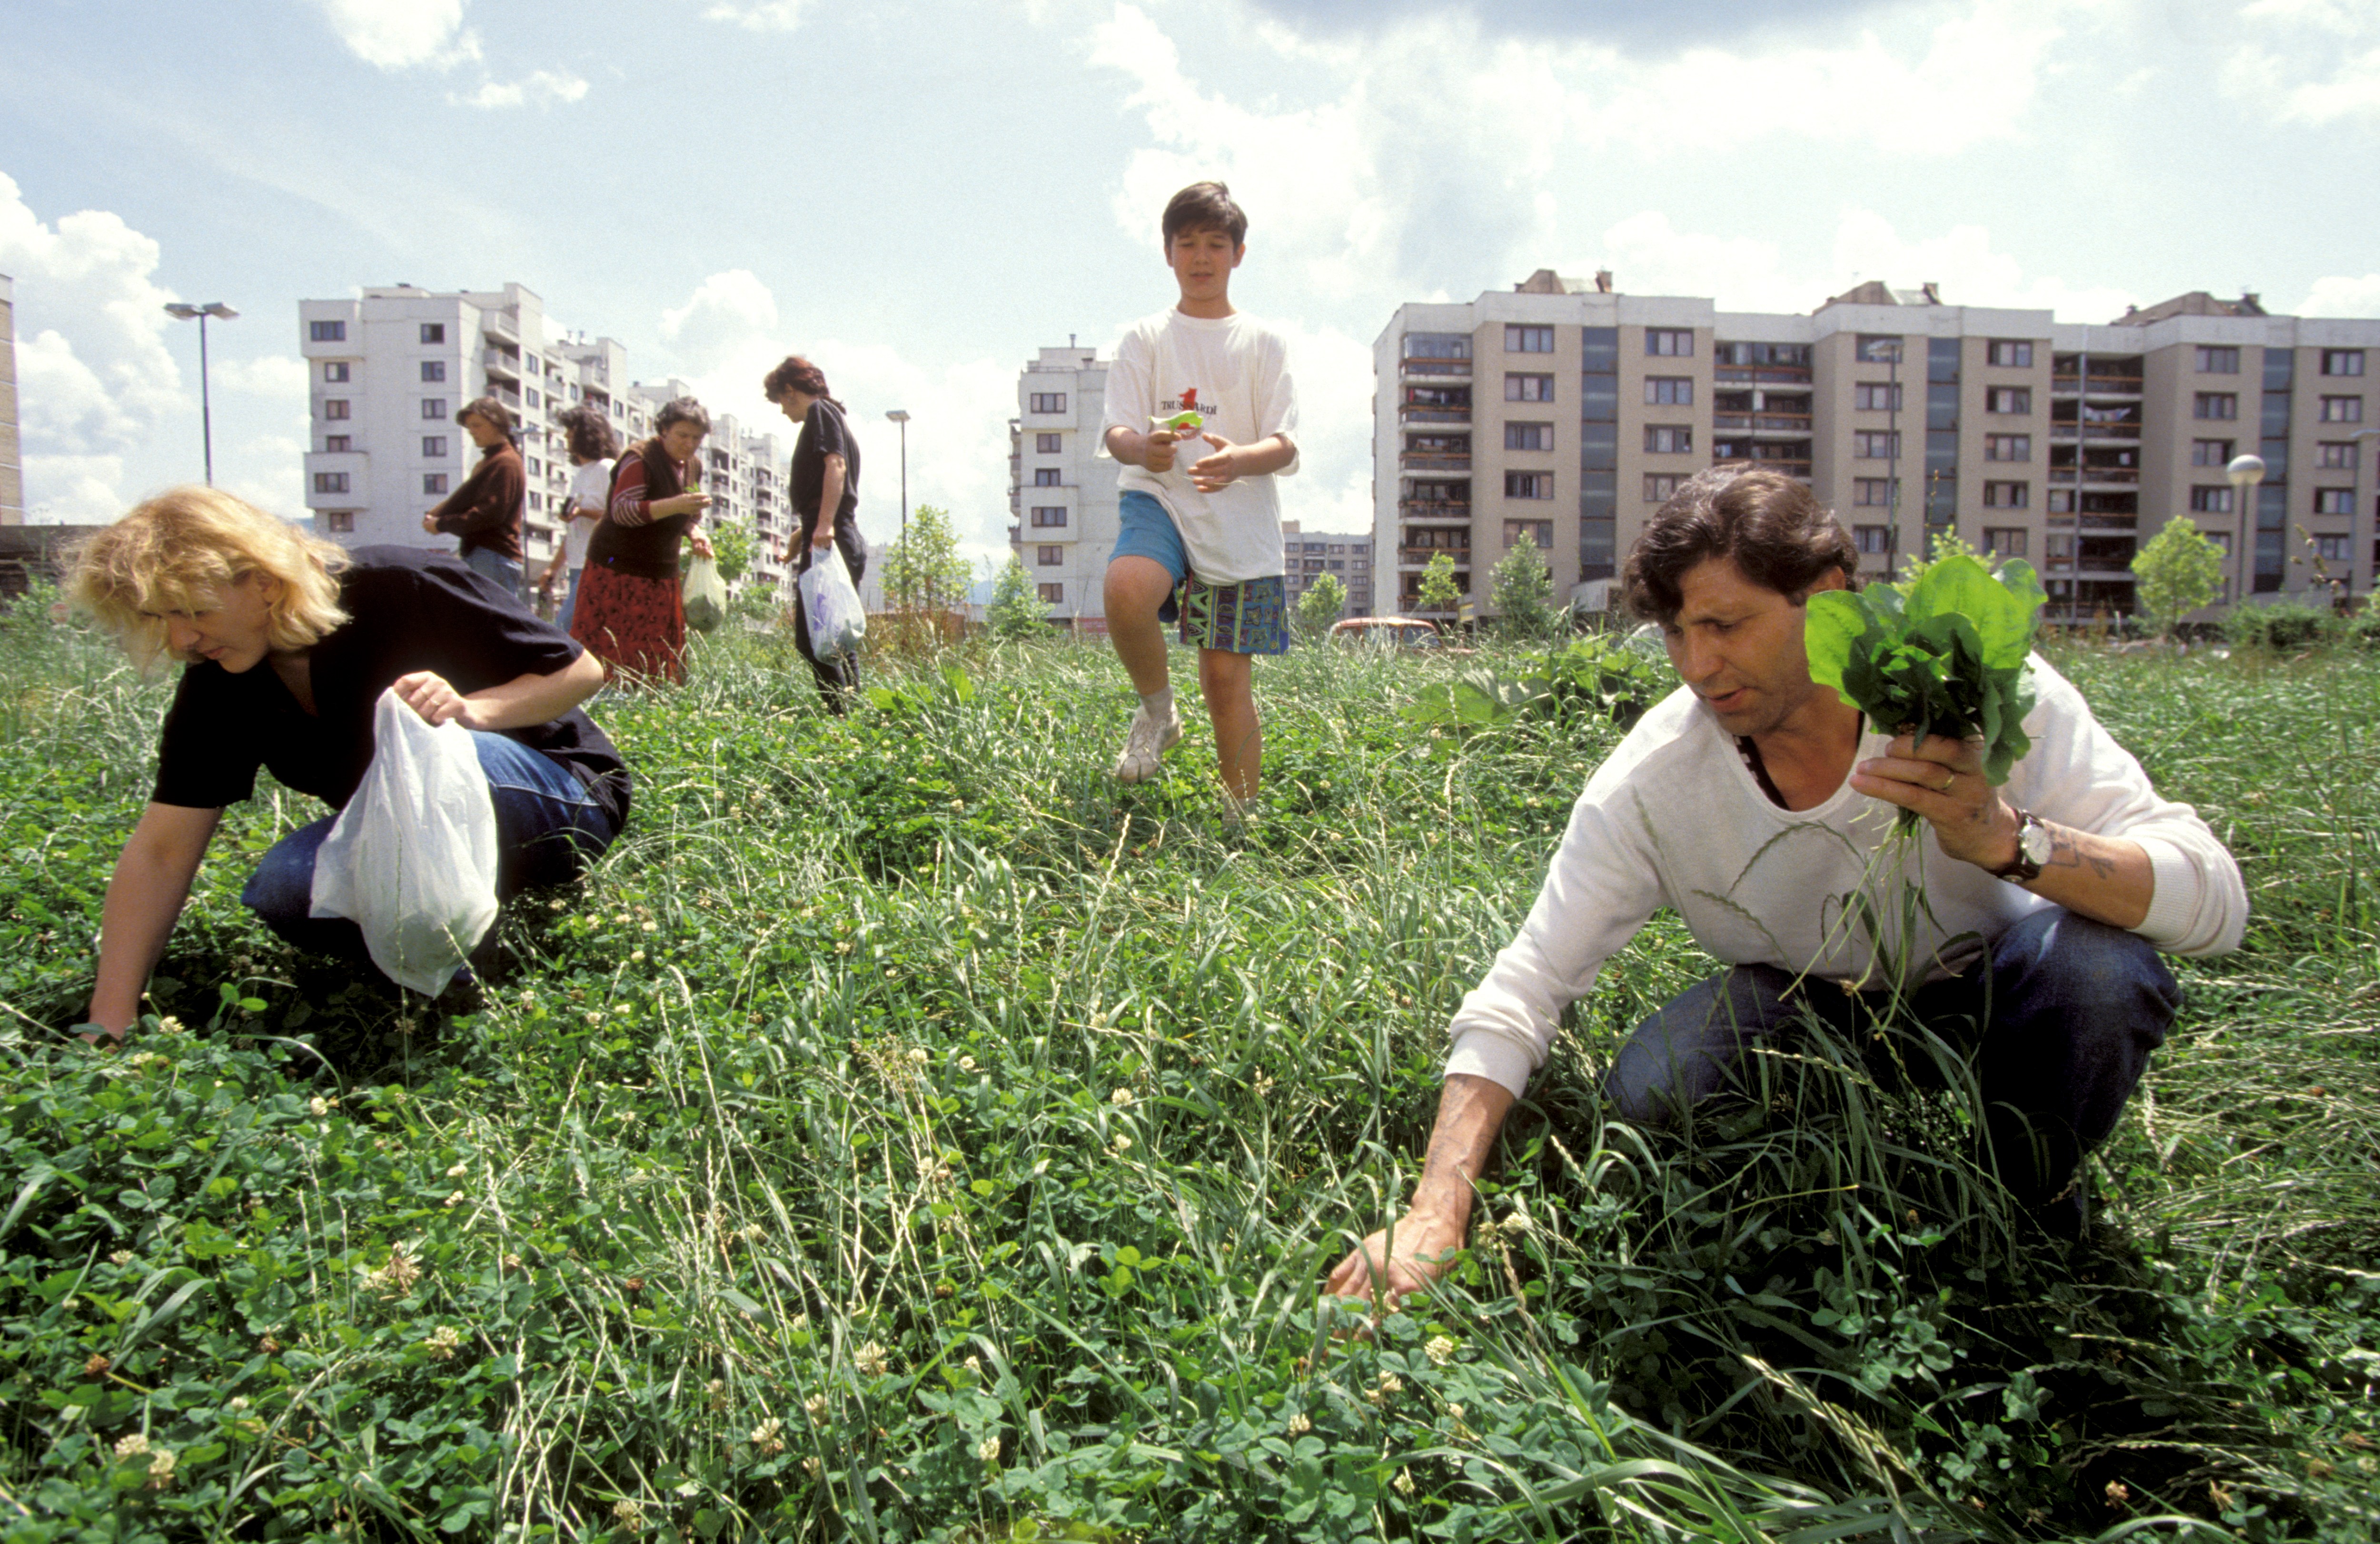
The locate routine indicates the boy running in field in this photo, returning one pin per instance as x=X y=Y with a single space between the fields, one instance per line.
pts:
x=1198 y=500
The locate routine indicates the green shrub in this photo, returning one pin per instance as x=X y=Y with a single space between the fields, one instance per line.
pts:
x=2284 y=625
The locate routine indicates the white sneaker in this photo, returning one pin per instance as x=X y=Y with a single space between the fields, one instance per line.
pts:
x=1144 y=742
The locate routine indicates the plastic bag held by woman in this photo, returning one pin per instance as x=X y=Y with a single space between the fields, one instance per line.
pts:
x=831 y=603
x=412 y=858
x=706 y=595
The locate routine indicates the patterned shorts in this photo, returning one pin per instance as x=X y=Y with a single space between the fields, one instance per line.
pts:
x=1250 y=617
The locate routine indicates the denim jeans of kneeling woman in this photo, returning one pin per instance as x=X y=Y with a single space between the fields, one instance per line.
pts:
x=548 y=828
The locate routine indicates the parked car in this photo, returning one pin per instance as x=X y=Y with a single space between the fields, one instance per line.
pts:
x=1390 y=632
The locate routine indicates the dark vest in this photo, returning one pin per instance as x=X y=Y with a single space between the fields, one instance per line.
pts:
x=646 y=551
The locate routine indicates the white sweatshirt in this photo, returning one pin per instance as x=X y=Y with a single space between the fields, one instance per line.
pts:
x=1674 y=818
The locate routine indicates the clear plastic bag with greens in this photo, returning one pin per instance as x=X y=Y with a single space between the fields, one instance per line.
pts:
x=706 y=595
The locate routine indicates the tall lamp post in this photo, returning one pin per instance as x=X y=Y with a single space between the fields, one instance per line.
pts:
x=181 y=312
x=900 y=417
x=2245 y=472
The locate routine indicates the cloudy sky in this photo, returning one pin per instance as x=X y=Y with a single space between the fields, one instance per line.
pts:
x=920 y=195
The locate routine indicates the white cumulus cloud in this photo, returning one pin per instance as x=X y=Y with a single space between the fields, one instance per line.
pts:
x=268 y=375
x=2341 y=295
x=758 y=15
x=539 y=87
x=401 y=34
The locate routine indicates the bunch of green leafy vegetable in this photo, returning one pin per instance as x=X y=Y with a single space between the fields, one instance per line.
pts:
x=1942 y=653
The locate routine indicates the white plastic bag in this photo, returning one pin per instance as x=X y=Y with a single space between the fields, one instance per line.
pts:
x=831 y=601
x=706 y=595
x=412 y=858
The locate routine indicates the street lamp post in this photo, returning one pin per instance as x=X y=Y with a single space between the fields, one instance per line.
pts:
x=206 y=406
x=900 y=417
x=2245 y=472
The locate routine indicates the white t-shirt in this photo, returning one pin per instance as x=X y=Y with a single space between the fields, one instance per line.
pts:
x=1674 y=818
x=1238 y=370
x=590 y=485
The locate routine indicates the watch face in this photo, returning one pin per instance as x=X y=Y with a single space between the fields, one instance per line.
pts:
x=2033 y=842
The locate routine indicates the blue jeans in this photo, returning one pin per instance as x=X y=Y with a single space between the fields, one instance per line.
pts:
x=569 y=600
x=547 y=828
x=503 y=572
x=2059 y=1025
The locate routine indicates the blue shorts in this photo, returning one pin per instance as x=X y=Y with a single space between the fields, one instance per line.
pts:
x=1247 y=618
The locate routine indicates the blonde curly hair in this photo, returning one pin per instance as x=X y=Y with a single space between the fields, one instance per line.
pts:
x=179 y=552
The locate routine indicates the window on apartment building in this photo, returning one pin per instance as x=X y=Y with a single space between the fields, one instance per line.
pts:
x=434 y=447
x=2210 y=498
x=1049 y=444
x=2334 y=500
x=1665 y=439
x=1872 y=492
x=434 y=331
x=339 y=522
x=335 y=371
x=1875 y=444
x=1539 y=531
x=534 y=468
x=1872 y=539
x=1528 y=388
x=2342 y=410
x=1528 y=485
x=1876 y=397
x=1054 y=594
x=2005 y=540
x=330 y=482
x=2213 y=360
x=433 y=482
x=2007 y=447
x=1659 y=487
x=1045 y=402
x=2008 y=400
x=433 y=407
x=433 y=370
x=2010 y=353
x=334 y=443
x=1875 y=348
x=2342 y=361
x=2210 y=453
x=1669 y=343
x=2332 y=549
x=529 y=395
x=2215 y=404
x=334 y=406
x=1669 y=390
x=326 y=332
x=2061 y=501
x=1049 y=556
x=2008 y=496
x=1047 y=476
x=1047 y=516
x=1528 y=436
x=2335 y=455
x=2222 y=540
x=1528 y=340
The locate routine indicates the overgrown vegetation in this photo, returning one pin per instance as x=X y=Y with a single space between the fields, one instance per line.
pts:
x=906 y=1133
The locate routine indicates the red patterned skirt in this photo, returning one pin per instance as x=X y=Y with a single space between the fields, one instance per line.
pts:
x=634 y=626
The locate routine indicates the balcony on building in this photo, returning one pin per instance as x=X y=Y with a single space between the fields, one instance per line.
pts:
x=1434 y=404
x=2073 y=418
x=1436 y=453
x=1762 y=364
x=2109 y=375
x=501 y=361
x=1439 y=354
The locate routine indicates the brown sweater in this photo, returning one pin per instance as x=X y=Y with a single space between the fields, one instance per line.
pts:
x=486 y=511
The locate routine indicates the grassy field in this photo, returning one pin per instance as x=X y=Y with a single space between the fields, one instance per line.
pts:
x=906 y=1133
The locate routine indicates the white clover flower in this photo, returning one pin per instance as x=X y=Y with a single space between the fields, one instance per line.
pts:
x=459 y=1169
x=966 y=1064
x=917 y=1054
x=1440 y=1350
x=1122 y=1143
x=132 y=1446
x=768 y=1436
x=1404 y=1482
x=1299 y=1425
x=989 y=1450
x=1120 y=1096
x=636 y=957
x=871 y=1359
x=652 y=927
x=815 y=1407
x=318 y=1105
x=443 y=1341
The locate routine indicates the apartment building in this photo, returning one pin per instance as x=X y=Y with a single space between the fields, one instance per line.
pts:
x=1564 y=413
x=12 y=458
x=1305 y=557
x=1062 y=493
x=744 y=473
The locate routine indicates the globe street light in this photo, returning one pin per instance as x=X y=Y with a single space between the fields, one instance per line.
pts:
x=908 y=559
x=181 y=312
x=2245 y=472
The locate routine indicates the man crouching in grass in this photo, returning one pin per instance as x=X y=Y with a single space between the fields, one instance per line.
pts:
x=1749 y=800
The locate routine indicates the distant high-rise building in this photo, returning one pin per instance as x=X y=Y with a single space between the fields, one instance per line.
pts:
x=1061 y=494
x=1307 y=555
x=12 y=467
x=1564 y=413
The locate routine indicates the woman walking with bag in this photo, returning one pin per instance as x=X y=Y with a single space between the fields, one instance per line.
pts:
x=288 y=643
x=825 y=486
x=629 y=611
x=594 y=450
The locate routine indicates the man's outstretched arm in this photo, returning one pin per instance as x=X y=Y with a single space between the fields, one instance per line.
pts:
x=1414 y=1253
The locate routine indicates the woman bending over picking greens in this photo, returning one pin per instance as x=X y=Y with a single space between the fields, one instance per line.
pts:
x=286 y=644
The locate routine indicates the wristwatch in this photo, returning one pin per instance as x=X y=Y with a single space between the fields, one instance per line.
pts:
x=2032 y=847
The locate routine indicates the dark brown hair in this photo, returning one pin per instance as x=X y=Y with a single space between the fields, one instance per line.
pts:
x=1769 y=525
x=797 y=374
x=680 y=409
x=488 y=411
x=590 y=435
x=1205 y=206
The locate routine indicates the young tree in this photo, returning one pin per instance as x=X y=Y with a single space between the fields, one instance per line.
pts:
x=731 y=547
x=1016 y=608
x=923 y=571
x=1522 y=590
x=2180 y=570
x=1437 y=590
x=1320 y=605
